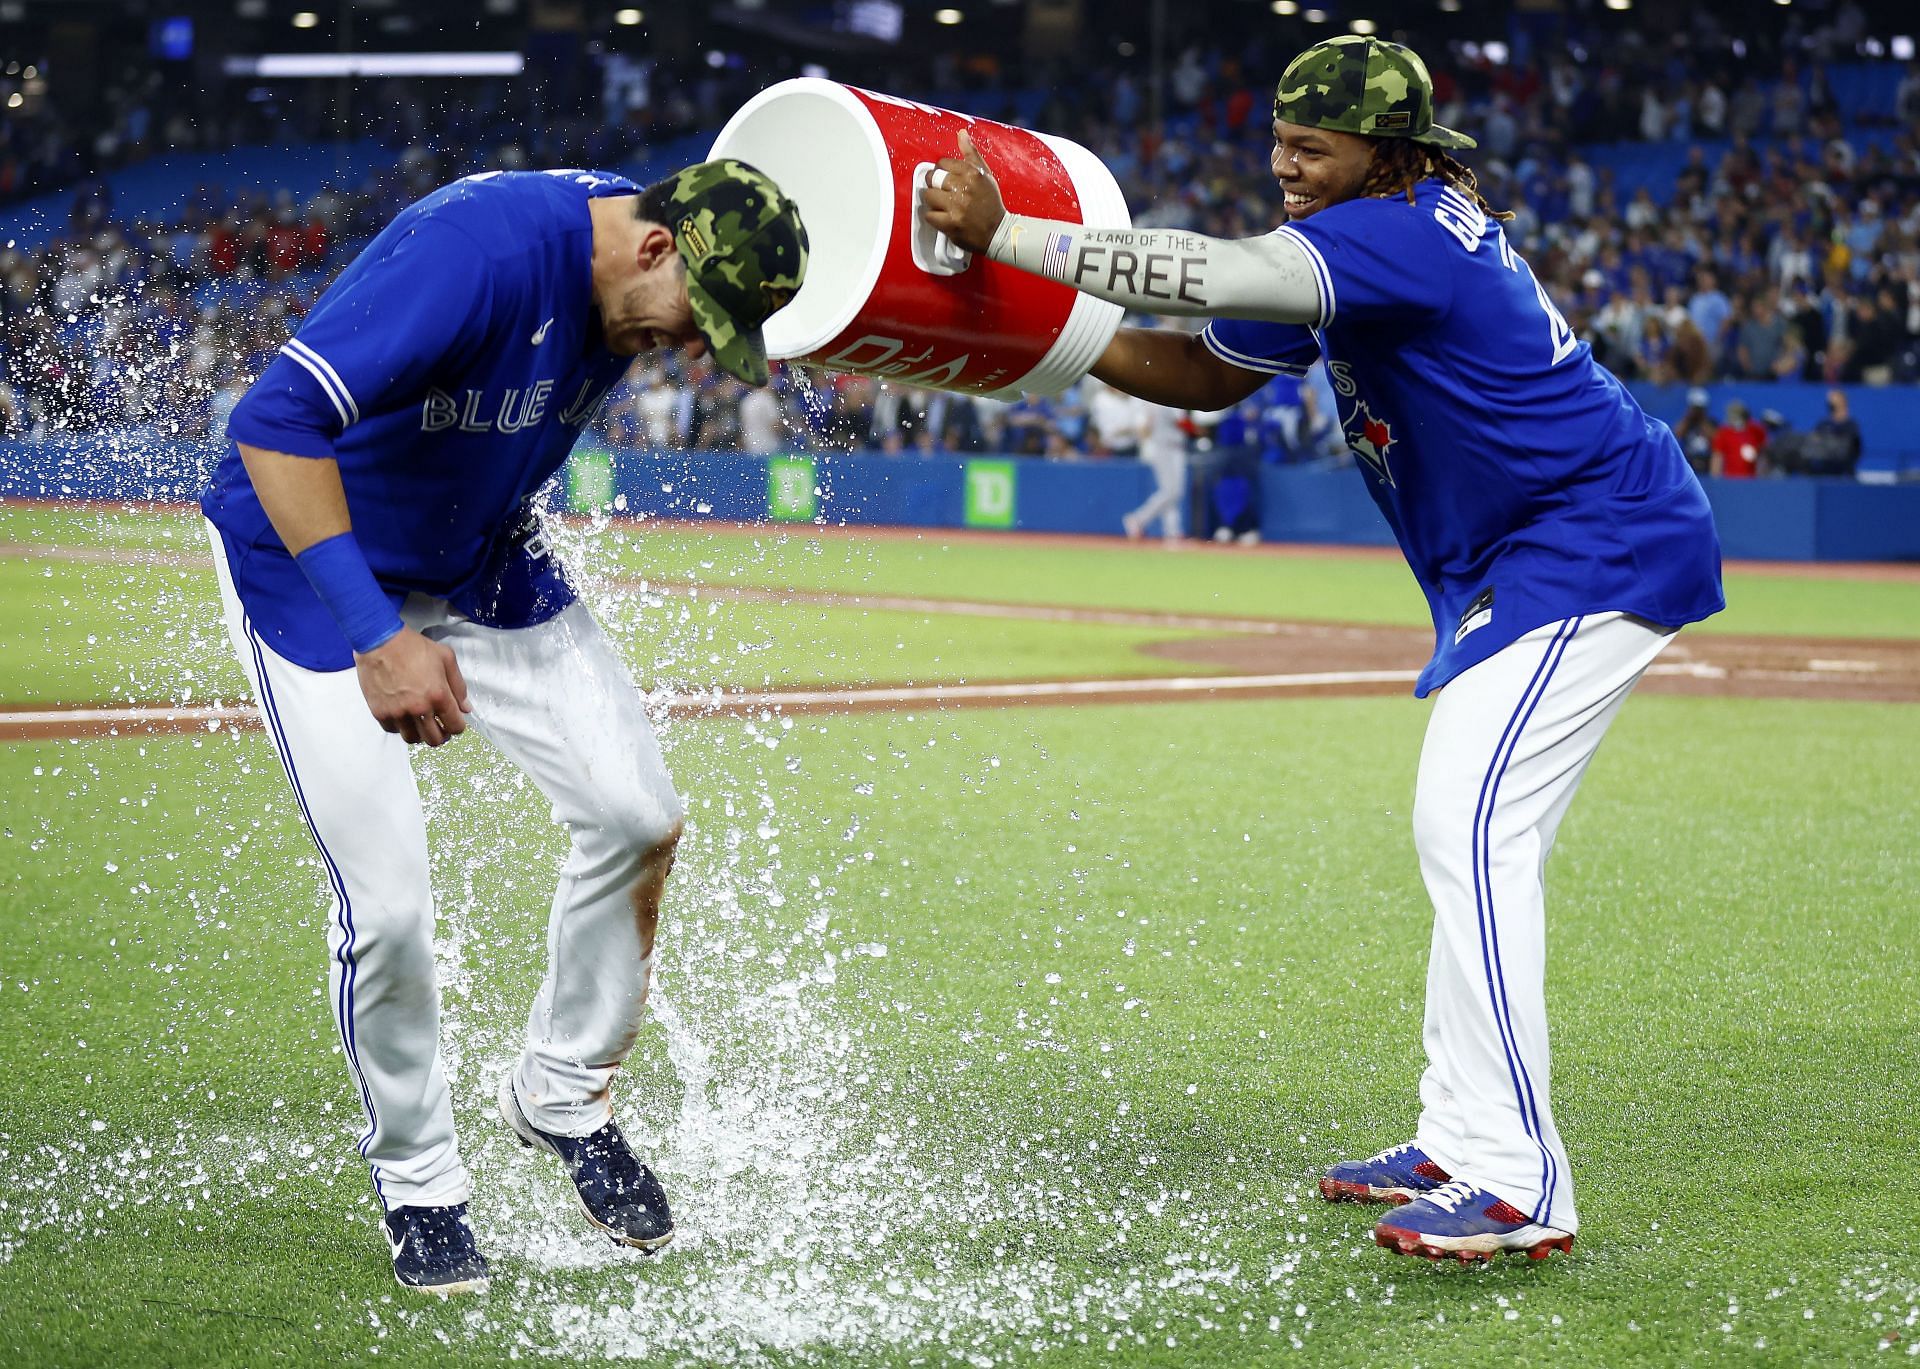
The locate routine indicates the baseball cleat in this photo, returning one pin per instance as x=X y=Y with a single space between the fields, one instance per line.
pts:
x=1398 y=1174
x=617 y=1192
x=434 y=1250
x=1457 y=1221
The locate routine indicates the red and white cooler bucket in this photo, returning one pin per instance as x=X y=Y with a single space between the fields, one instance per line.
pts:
x=885 y=295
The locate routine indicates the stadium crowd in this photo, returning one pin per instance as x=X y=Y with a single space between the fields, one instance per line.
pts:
x=1788 y=249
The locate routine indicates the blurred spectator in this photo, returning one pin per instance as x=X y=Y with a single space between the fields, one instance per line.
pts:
x=1738 y=444
x=1695 y=432
x=761 y=431
x=1760 y=338
x=1113 y=421
x=1876 y=329
x=1709 y=309
x=955 y=424
x=662 y=424
x=1833 y=446
x=1026 y=424
x=900 y=420
x=716 y=410
x=1906 y=100
x=1785 y=244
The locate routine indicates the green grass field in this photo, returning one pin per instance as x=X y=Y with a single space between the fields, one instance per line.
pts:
x=983 y=1037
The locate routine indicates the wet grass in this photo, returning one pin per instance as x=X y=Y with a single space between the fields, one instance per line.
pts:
x=999 y=1036
x=1329 y=586
x=980 y=1034
x=149 y=631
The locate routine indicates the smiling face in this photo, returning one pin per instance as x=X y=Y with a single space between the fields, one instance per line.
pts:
x=1318 y=167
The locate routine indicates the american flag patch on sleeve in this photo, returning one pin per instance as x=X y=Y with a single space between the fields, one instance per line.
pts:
x=1054 y=261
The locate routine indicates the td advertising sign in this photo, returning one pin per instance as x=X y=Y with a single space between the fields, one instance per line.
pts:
x=991 y=486
x=790 y=490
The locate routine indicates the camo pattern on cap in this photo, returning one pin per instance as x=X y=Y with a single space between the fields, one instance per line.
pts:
x=746 y=255
x=1363 y=85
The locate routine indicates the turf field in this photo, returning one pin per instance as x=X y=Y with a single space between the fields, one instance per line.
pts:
x=982 y=1036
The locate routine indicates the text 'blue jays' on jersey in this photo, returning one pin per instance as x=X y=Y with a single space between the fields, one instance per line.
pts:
x=448 y=370
x=1523 y=482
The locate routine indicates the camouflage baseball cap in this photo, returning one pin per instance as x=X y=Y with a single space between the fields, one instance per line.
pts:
x=746 y=255
x=1363 y=85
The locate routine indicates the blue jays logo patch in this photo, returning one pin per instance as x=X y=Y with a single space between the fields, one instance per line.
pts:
x=1370 y=438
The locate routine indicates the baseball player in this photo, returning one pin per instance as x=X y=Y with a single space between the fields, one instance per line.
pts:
x=1163 y=449
x=1557 y=532
x=385 y=583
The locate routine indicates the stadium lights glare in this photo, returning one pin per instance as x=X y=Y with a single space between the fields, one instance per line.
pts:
x=1449 y=6
x=1315 y=16
x=306 y=19
x=15 y=100
x=627 y=18
x=1284 y=7
x=947 y=16
x=296 y=65
x=1363 y=26
x=1619 y=4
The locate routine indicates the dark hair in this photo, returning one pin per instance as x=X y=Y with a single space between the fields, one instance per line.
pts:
x=655 y=204
x=1400 y=164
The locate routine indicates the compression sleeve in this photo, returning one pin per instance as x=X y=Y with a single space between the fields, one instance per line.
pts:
x=1171 y=271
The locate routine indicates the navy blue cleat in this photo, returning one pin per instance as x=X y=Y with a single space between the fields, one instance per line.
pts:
x=1398 y=1174
x=434 y=1250
x=1460 y=1222
x=617 y=1192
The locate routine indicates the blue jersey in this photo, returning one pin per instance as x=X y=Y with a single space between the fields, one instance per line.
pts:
x=1520 y=478
x=448 y=370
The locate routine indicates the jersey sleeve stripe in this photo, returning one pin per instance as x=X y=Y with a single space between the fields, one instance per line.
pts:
x=326 y=387
x=342 y=396
x=1321 y=275
x=1245 y=362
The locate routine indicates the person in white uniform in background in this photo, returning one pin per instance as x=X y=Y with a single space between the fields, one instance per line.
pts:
x=1163 y=447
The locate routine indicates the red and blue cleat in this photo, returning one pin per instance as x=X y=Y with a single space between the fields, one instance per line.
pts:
x=1396 y=1175
x=1457 y=1221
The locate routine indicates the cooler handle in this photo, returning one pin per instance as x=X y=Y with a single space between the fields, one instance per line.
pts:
x=933 y=251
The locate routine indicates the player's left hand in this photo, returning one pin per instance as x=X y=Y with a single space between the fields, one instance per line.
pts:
x=964 y=202
x=414 y=688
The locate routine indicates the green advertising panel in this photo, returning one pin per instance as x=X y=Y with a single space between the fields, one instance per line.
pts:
x=990 y=493
x=589 y=480
x=790 y=492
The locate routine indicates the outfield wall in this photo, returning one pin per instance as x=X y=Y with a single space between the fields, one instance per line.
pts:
x=1792 y=520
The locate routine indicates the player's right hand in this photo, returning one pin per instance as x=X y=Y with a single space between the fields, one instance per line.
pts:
x=413 y=687
x=962 y=199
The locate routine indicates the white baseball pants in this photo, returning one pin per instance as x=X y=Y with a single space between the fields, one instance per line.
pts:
x=557 y=701
x=1505 y=749
x=1168 y=500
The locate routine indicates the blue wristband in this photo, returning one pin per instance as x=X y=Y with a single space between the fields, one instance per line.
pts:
x=339 y=574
